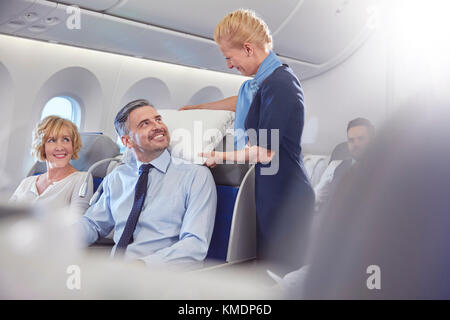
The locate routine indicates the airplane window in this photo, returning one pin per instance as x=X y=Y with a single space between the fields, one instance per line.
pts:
x=63 y=106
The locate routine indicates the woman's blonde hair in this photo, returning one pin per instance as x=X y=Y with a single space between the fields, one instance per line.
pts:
x=52 y=126
x=242 y=26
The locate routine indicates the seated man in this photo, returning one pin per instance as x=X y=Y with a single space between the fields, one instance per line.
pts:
x=162 y=209
x=360 y=132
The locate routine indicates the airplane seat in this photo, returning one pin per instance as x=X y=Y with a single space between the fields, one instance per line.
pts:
x=234 y=236
x=228 y=179
x=96 y=147
x=340 y=152
x=102 y=168
x=315 y=165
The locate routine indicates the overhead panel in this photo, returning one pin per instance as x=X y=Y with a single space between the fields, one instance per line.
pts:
x=310 y=35
x=210 y=58
x=96 y=5
x=108 y=33
x=97 y=31
x=67 y=30
x=10 y=9
x=301 y=69
x=199 y=17
x=30 y=16
x=35 y=17
x=166 y=45
x=322 y=29
x=120 y=35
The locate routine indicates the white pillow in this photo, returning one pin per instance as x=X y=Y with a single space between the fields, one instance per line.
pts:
x=195 y=131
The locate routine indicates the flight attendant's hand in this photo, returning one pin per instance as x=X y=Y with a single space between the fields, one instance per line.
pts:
x=258 y=154
x=191 y=107
x=212 y=158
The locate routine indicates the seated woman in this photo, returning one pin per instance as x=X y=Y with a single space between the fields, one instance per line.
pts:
x=55 y=141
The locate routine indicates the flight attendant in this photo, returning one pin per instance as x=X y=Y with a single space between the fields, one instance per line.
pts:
x=285 y=198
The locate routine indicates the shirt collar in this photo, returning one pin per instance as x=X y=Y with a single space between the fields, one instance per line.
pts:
x=161 y=163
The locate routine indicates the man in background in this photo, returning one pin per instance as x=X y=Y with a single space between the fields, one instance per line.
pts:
x=360 y=132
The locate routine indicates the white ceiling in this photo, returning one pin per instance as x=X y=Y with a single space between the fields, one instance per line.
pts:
x=312 y=36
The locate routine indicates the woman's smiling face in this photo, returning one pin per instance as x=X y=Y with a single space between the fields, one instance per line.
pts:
x=59 y=148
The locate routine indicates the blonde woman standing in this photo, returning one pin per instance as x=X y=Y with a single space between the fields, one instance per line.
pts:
x=270 y=102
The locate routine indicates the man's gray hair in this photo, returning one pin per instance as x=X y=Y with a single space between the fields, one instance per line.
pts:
x=120 y=122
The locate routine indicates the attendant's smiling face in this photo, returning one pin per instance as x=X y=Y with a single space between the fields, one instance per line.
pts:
x=147 y=133
x=59 y=148
x=241 y=58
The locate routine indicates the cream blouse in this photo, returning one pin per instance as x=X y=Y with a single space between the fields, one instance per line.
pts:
x=60 y=194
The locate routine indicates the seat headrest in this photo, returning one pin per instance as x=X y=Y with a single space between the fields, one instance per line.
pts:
x=96 y=147
x=229 y=174
x=340 y=152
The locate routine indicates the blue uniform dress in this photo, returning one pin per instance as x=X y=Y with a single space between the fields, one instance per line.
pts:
x=284 y=201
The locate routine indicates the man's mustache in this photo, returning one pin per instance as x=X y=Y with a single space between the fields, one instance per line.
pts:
x=157 y=132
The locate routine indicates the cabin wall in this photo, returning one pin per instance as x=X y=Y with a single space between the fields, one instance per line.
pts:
x=32 y=72
x=358 y=87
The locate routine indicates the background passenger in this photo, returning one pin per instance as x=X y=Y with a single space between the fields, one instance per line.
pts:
x=360 y=132
x=55 y=141
x=385 y=234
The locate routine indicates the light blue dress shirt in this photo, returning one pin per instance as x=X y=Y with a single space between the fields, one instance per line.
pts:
x=245 y=97
x=177 y=218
